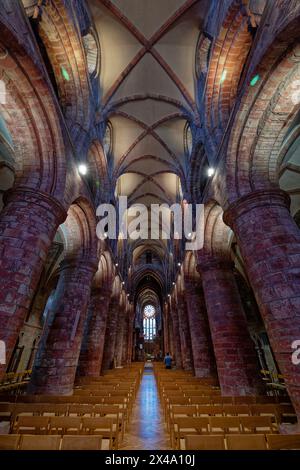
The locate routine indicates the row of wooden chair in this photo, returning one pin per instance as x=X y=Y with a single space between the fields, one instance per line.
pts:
x=193 y=407
x=51 y=442
x=242 y=442
x=183 y=426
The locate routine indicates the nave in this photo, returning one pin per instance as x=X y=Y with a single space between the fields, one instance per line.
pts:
x=146 y=407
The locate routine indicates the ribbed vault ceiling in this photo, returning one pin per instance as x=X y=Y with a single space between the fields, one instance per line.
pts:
x=147 y=85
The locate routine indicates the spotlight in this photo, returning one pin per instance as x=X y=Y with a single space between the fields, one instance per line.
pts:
x=210 y=172
x=179 y=264
x=82 y=168
x=169 y=295
x=65 y=74
x=223 y=77
x=123 y=283
x=105 y=235
x=190 y=235
x=117 y=264
x=254 y=80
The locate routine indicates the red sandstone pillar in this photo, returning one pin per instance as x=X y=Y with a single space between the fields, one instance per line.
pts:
x=111 y=333
x=28 y=224
x=166 y=329
x=120 y=339
x=237 y=363
x=91 y=354
x=125 y=340
x=131 y=339
x=184 y=331
x=176 y=336
x=269 y=241
x=203 y=355
x=55 y=366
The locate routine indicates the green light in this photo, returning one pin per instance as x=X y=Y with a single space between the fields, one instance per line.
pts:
x=254 y=80
x=223 y=77
x=65 y=74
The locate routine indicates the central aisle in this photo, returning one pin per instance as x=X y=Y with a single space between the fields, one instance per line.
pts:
x=147 y=428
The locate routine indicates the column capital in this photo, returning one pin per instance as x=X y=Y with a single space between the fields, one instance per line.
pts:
x=39 y=198
x=262 y=198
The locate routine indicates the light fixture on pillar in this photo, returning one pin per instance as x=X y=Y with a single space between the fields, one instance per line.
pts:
x=210 y=172
x=254 y=80
x=82 y=168
x=173 y=283
x=179 y=264
x=117 y=264
x=223 y=76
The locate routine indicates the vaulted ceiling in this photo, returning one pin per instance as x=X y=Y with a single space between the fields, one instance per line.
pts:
x=148 y=95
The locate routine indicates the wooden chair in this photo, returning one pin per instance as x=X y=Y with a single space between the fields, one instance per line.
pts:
x=9 y=441
x=246 y=442
x=227 y=424
x=197 y=442
x=81 y=443
x=204 y=400
x=257 y=424
x=31 y=425
x=101 y=426
x=209 y=410
x=29 y=442
x=81 y=410
x=187 y=426
x=65 y=425
x=283 y=441
x=236 y=410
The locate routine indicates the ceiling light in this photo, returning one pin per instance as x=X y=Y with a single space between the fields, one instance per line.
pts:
x=210 y=172
x=223 y=77
x=82 y=168
x=65 y=74
x=254 y=80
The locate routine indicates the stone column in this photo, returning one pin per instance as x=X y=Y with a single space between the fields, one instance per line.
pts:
x=131 y=342
x=269 y=241
x=203 y=354
x=237 y=363
x=171 y=341
x=91 y=354
x=120 y=339
x=184 y=331
x=111 y=333
x=176 y=335
x=55 y=366
x=28 y=224
x=166 y=329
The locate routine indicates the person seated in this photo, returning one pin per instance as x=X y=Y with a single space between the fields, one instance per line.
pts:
x=168 y=361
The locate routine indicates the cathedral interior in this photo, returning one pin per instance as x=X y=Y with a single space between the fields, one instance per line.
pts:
x=169 y=103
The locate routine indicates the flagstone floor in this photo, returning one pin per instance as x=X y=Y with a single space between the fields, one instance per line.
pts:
x=147 y=430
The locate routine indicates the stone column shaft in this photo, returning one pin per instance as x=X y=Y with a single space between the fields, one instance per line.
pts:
x=269 y=240
x=203 y=355
x=91 y=354
x=28 y=224
x=55 y=365
x=237 y=363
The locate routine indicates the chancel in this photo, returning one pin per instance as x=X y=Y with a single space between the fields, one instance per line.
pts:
x=113 y=114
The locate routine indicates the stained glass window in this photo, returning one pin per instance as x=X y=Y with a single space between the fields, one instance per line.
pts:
x=149 y=322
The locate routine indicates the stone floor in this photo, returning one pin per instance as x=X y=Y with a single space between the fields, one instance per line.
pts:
x=147 y=429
